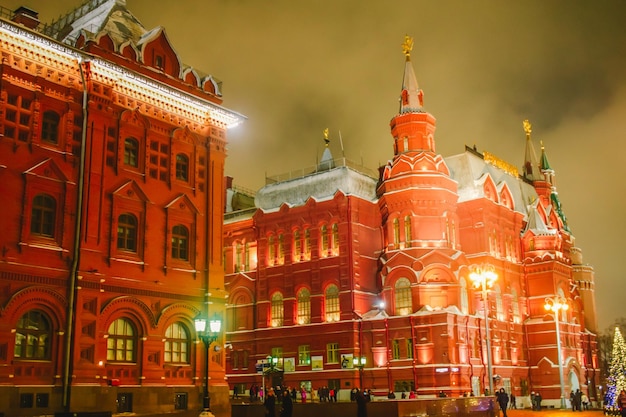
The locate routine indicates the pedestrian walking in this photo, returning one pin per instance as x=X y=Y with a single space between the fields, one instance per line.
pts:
x=503 y=400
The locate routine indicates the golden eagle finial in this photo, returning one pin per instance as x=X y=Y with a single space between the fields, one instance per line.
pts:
x=528 y=128
x=326 y=140
x=407 y=46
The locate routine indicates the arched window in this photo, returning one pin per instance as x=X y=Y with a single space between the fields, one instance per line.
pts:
x=121 y=341
x=43 y=215
x=277 y=313
x=408 y=236
x=176 y=344
x=131 y=152
x=127 y=232
x=402 y=293
x=180 y=242
x=182 y=167
x=463 y=296
x=304 y=306
x=33 y=336
x=50 y=127
x=331 y=303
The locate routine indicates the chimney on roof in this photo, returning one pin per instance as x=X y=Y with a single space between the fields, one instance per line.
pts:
x=27 y=17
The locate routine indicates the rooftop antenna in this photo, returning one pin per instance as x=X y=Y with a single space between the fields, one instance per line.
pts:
x=343 y=154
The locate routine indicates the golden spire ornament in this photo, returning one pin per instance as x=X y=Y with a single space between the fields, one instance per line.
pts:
x=326 y=140
x=528 y=128
x=407 y=46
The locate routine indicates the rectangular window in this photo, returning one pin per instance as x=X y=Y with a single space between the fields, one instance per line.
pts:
x=403 y=386
x=304 y=355
x=180 y=401
x=235 y=359
x=277 y=352
x=409 y=348
x=395 y=349
x=332 y=352
x=42 y=400
x=26 y=400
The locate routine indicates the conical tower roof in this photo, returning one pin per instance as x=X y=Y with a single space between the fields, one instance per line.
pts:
x=531 y=163
x=412 y=98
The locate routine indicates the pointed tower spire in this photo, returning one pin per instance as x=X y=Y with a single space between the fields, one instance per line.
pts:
x=531 y=164
x=412 y=98
x=327 y=161
x=549 y=176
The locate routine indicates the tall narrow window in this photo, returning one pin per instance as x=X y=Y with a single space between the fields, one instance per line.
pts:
x=271 y=250
x=499 y=304
x=127 y=232
x=395 y=349
x=238 y=256
x=246 y=256
x=297 y=246
x=304 y=355
x=335 y=243
x=33 y=336
x=180 y=242
x=332 y=352
x=121 y=341
x=331 y=303
x=409 y=348
x=182 y=167
x=307 y=244
x=408 y=237
x=304 y=306
x=281 y=249
x=402 y=293
x=325 y=241
x=277 y=313
x=50 y=127
x=396 y=233
x=515 y=306
x=43 y=216
x=176 y=344
x=131 y=152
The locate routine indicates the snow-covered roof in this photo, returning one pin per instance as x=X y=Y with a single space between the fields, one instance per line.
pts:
x=470 y=171
x=322 y=185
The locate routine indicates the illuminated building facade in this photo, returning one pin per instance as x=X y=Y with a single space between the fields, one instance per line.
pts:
x=112 y=155
x=340 y=265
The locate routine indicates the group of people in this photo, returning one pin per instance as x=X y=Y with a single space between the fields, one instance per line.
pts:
x=535 y=400
x=286 y=403
x=579 y=400
x=327 y=394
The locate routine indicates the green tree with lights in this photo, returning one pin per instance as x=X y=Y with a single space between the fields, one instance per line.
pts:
x=616 y=381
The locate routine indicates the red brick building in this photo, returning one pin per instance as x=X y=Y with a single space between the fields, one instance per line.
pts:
x=112 y=155
x=341 y=264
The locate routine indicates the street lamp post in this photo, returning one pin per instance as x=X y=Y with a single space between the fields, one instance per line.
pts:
x=483 y=276
x=359 y=362
x=555 y=305
x=272 y=362
x=208 y=336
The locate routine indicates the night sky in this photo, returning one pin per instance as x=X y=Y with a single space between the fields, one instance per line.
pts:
x=295 y=67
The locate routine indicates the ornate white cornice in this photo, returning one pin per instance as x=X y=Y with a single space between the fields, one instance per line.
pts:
x=33 y=46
